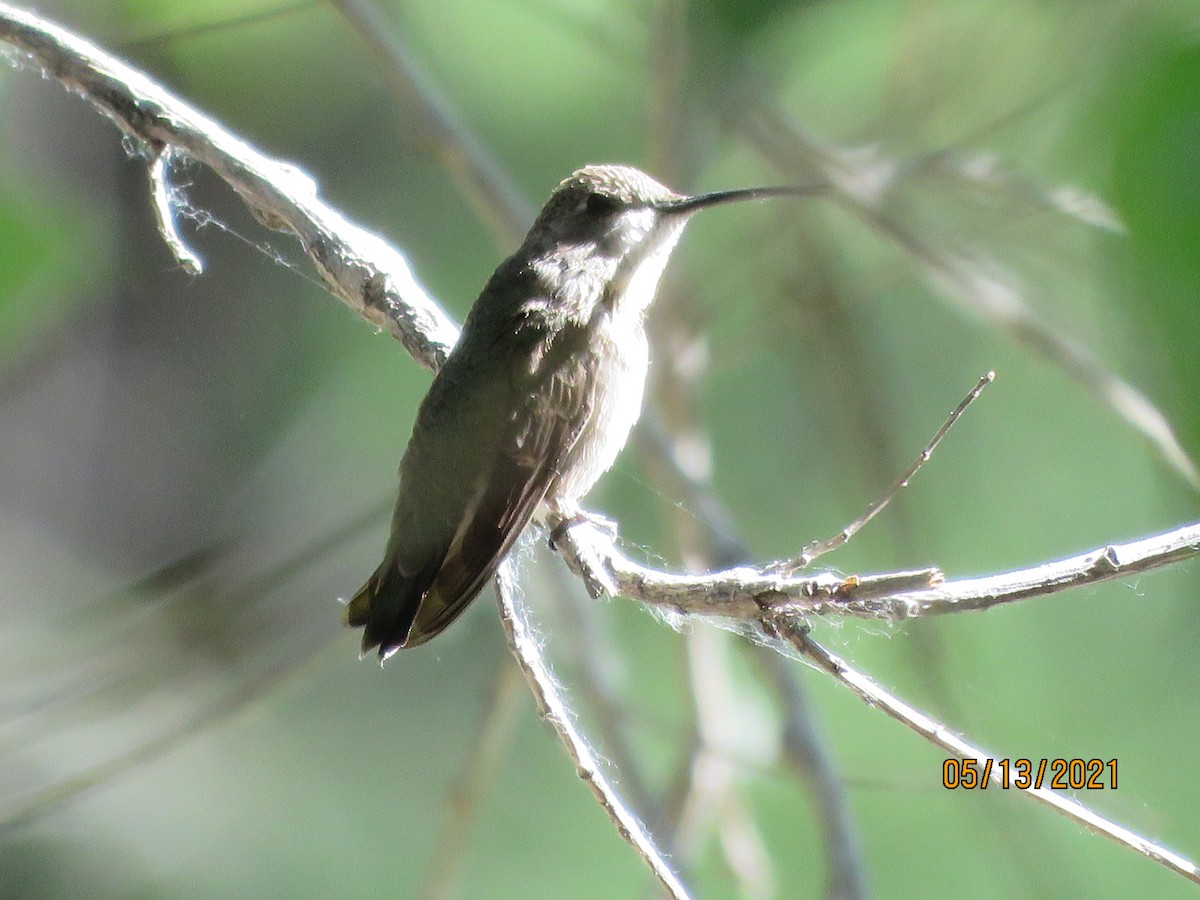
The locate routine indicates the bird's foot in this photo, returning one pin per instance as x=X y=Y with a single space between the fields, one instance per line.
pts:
x=568 y=519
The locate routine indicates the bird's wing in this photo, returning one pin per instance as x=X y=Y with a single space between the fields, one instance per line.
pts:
x=545 y=430
x=488 y=446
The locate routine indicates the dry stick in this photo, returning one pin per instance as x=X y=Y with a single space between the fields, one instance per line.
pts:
x=744 y=592
x=935 y=732
x=553 y=708
x=357 y=266
x=820 y=548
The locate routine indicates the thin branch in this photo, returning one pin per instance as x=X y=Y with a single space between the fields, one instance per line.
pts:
x=818 y=549
x=553 y=707
x=358 y=267
x=744 y=592
x=937 y=733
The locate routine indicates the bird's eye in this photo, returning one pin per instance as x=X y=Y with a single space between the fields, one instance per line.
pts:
x=601 y=204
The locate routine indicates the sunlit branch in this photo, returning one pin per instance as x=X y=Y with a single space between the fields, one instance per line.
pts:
x=357 y=266
x=746 y=592
x=554 y=709
x=937 y=733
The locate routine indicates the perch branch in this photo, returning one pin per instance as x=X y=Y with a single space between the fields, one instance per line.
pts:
x=553 y=708
x=938 y=734
x=358 y=267
x=745 y=593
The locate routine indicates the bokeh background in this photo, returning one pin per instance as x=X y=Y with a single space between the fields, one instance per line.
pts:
x=194 y=469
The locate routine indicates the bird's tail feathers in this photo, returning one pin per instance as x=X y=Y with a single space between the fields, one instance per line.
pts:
x=385 y=607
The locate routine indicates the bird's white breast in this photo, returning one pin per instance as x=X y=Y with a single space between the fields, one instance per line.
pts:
x=625 y=359
x=623 y=356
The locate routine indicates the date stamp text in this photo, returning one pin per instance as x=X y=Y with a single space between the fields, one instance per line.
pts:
x=1024 y=774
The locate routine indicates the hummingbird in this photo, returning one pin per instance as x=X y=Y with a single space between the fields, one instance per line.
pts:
x=535 y=400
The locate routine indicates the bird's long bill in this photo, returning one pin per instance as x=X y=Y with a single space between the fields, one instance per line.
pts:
x=691 y=204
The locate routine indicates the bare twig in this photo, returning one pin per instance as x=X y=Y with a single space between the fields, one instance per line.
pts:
x=743 y=592
x=937 y=733
x=357 y=266
x=553 y=707
x=818 y=549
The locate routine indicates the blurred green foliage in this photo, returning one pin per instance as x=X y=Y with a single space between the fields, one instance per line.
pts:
x=146 y=415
